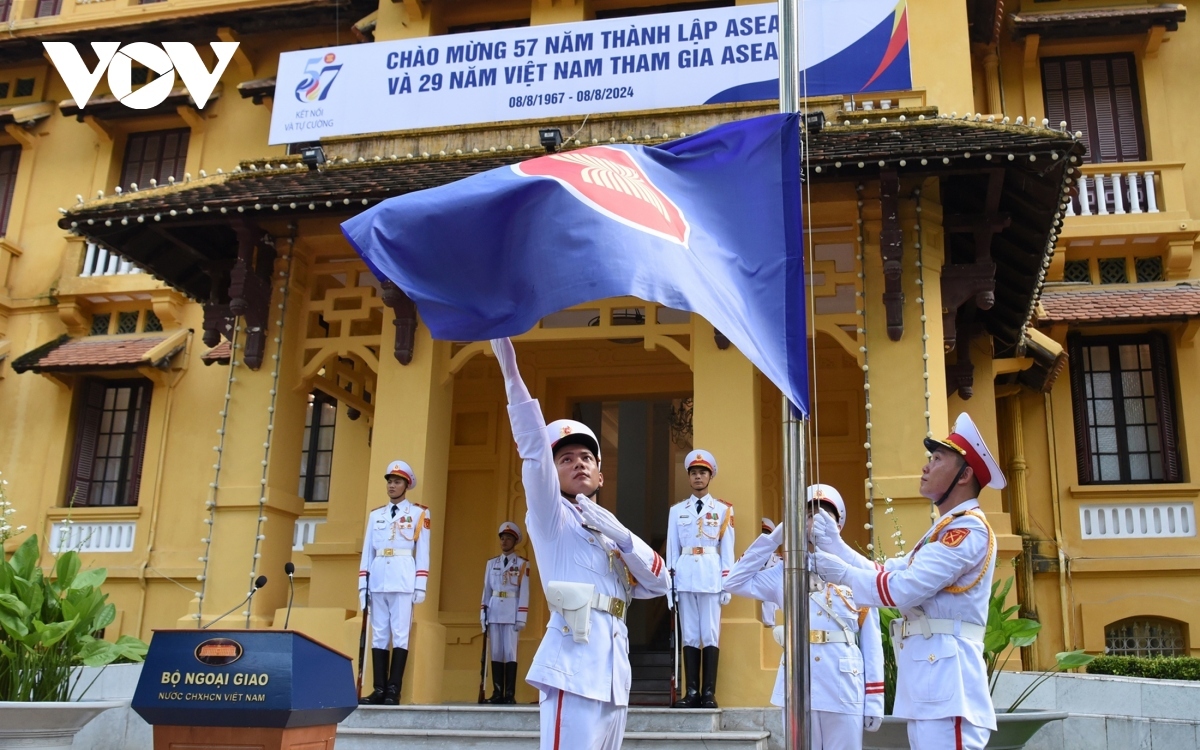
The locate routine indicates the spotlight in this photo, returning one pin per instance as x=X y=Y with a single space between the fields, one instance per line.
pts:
x=814 y=121
x=313 y=157
x=550 y=138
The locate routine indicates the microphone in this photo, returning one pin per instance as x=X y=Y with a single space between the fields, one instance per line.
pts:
x=290 y=569
x=258 y=584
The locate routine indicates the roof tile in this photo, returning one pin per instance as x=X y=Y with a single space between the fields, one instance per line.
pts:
x=93 y=352
x=1120 y=305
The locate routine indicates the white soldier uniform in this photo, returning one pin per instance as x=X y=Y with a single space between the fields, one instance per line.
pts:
x=846 y=650
x=504 y=611
x=582 y=666
x=395 y=566
x=768 y=608
x=942 y=589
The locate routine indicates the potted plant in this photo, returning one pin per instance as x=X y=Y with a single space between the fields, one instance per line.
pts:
x=1004 y=632
x=47 y=632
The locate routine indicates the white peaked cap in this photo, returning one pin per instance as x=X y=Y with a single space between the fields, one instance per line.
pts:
x=966 y=441
x=701 y=458
x=824 y=493
x=568 y=431
x=400 y=469
x=508 y=527
x=768 y=526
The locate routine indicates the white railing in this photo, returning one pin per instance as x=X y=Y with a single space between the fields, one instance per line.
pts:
x=1137 y=520
x=112 y=536
x=305 y=532
x=99 y=261
x=1115 y=192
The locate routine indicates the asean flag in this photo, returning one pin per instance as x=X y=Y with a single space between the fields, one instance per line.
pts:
x=709 y=223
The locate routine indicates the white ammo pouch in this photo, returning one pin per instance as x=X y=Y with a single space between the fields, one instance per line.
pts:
x=575 y=601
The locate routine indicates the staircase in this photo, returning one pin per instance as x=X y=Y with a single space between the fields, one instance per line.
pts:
x=651 y=683
x=448 y=727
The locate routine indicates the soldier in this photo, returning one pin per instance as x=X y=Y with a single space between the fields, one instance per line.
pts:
x=768 y=607
x=846 y=649
x=591 y=566
x=700 y=554
x=504 y=610
x=942 y=590
x=396 y=556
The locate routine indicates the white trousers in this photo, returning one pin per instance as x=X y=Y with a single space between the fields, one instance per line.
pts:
x=700 y=619
x=572 y=721
x=391 y=618
x=947 y=734
x=502 y=641
x=832 y=731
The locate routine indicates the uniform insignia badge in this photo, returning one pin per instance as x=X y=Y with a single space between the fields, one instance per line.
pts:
x=427 y=522
x=954 y=537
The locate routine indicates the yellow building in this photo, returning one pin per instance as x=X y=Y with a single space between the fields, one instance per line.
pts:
x=132 y=428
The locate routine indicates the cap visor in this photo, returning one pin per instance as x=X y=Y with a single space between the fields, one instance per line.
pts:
x=932 y=445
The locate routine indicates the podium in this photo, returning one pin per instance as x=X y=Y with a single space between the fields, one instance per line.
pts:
x=243 y=690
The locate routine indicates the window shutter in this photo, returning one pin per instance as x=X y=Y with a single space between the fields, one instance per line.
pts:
x=10 y=160
x=1164 y=399
x=5 y=9
x=1083 y=451
x=139 y=445
x=87 y=428
x=1102 y=101
x=1127 y=110
x=1054 y=93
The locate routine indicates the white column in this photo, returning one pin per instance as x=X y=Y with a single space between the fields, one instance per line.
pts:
x=1085 y=208
x=1101 y=199
x=1151 y=199
x=1118 y=197
x=89 y=257
x=1135 y=198
x=112 y=264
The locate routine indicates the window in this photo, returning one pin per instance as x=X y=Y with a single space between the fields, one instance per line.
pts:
x=10 y=160
x=316 y=462
x=110 y=439
x=1077 y=271
x=48 y=8
x=25 y=87
x=1145 y=636
x=156 y=155
x=5 y=10
x=1124 y=416
x=1098 y=96
x=1149 y=269
x=1112 y=271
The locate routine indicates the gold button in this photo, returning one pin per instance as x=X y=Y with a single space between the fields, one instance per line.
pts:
x=932 y=658
x=816 y=658
x=566 y=629
x=591 y=540
x=853 y=671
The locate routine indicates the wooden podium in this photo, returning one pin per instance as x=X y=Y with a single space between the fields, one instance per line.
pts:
x=243 y=690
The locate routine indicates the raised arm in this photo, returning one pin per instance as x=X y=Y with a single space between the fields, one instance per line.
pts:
x=748 y=577
x=523 y=597
x=871 y=643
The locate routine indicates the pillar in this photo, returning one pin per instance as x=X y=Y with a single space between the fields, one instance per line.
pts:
x=412 y=423
x=726 y=422
x=991 y=73
x=897 y=420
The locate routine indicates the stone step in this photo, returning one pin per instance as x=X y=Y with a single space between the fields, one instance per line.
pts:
x=520 y=718
x=444 y=739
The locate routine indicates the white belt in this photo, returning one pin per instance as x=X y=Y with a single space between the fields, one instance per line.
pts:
x=903 y=627
x=829 y=636
x=503 y=594
x=389 y=552
x=614 y=606
x=701 y=550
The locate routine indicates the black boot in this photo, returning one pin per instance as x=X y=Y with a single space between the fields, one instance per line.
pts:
x=379 y=666
x=510 y=682
x=691 y=672
x=395 y=681
x=708 y=696
x=497 y=683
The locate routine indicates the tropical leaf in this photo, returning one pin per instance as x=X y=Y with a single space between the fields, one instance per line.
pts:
x=25 y=559
x=1073 y=659
x=93 y=577
x=66 y=569
x=133 y=649
x=48 y=635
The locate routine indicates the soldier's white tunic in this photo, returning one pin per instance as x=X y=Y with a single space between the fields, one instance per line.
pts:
x=584 y=686
x=396 y=552
x=700 y=551
x=768 y=608
x=947 y=579
x=506 y=599
x=846 y=670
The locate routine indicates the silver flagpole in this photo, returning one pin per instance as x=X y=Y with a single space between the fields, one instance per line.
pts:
x=795 y=455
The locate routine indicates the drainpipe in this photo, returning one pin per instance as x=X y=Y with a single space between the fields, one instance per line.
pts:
x=1019 y=495
x=1068 y=616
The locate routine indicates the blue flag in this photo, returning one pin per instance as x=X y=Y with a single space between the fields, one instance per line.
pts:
x=709 y=223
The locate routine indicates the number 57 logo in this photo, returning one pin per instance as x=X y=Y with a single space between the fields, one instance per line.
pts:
x=165 y=61
x=315 y=85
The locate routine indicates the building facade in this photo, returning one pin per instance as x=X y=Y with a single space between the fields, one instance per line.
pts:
x=200 y=381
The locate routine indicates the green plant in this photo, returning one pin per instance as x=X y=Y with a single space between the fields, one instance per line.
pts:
x=1154 y=667
x=48 y=625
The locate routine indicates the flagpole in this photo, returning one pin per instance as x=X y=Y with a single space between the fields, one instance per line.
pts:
x=795 y=454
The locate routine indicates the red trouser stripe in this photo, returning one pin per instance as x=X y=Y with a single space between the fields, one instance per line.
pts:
x=558 y=722
x=957 y=733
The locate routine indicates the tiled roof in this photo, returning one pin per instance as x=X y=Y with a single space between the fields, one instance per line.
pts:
x=67 y=354
x=1086 y=22
x=1118 y=305
x=218 y=354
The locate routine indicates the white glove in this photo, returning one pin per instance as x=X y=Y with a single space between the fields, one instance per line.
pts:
x=483 y=620
x=362 y=600
x=726 y=597
x=776 y=535
x=604 y=522
x=514 y=386
x=418 y=596
x=830 y=568
x=777 y=634
x=872 y=723
x=827 y=537
x=519 y=626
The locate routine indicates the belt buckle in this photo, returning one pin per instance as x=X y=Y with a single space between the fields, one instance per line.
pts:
x=387 y=552
x=616 y=608
x=697 y=550
x=817 y=636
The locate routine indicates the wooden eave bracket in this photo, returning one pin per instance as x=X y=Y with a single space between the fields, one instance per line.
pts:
x=168 y=306
x=1155 y=37
x=405 y=322
x=1031 y=50
x=243 y=62
x=416 y=9
x=248 y=285
x=193 y=117
x=76 y=314
x=891 y=248
x=960 y=283
x=1187 y=334
x=99 y=127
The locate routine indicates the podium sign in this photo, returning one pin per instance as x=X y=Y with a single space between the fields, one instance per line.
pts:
x=243 y=678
